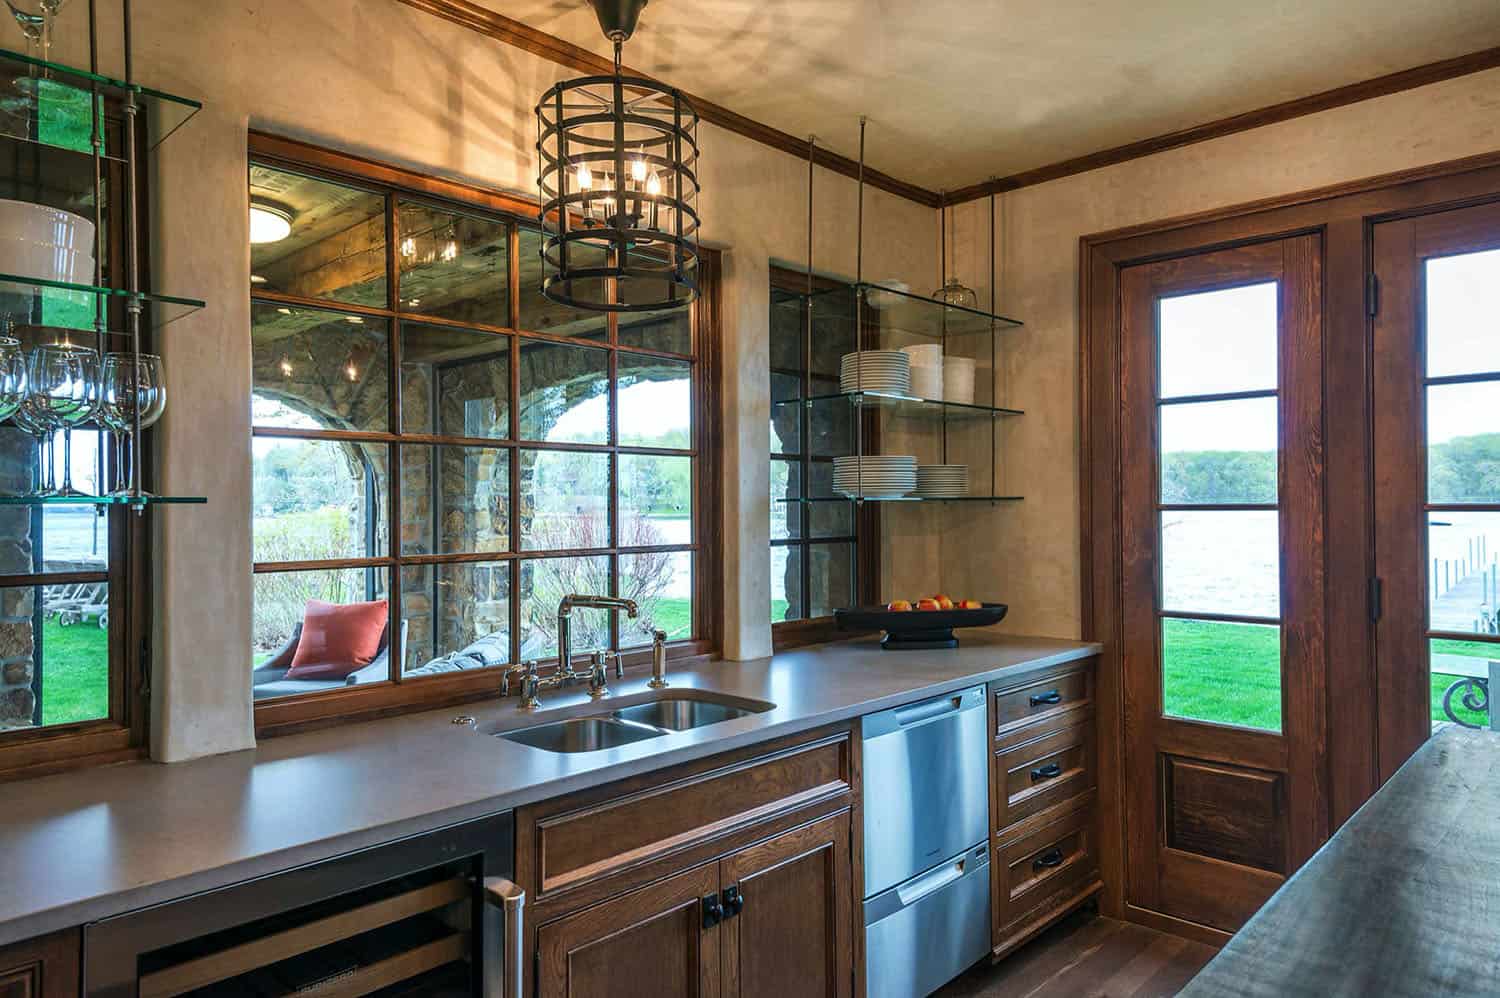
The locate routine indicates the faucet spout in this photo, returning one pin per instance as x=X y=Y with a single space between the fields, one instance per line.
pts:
x=564 y=620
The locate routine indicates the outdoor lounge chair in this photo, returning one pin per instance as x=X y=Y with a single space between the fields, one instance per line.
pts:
x=269 y=679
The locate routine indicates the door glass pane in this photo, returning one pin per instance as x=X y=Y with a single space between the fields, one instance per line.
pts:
x=1463 y=443
x=1221 y=562
x=544 y=582
x=454 y=382
x=316 y=239
x=662 y=584
x=786 y=483
x=1219 y=452
x=1218 y=341
x=667 y=330
x=1458 y=667
x=1463 y=566
x=1221 y=672
x=1463 y=298
x=656 y=500
x=453 y=266
x=564 y=502
x=655 y=402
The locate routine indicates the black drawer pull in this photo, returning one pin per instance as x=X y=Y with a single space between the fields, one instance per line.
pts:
x=734 y=901
x=1051 y=696
x=713 y=911
x=1048 y=859
x=1046 y=772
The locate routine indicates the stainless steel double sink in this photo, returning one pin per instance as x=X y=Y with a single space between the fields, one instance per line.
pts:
x=665 y=713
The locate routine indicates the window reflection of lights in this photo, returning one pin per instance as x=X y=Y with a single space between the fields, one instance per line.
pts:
x=408 y=247
x=352 y=372
x=257 y=279
x=286 y=367
x=450 y=252
x=284 y=311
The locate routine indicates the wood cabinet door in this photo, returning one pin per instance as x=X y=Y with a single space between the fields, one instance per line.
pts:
x=793 y=935
x=41 y=968
x=1222 y=589
x=649 y=943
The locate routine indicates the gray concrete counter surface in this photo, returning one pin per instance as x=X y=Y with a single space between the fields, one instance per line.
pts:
x=81 y=846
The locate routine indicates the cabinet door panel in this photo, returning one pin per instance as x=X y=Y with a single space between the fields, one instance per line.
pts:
x=649 y=943
x=793 y=937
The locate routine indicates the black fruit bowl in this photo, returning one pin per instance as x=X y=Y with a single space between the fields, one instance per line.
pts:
x=915 y=630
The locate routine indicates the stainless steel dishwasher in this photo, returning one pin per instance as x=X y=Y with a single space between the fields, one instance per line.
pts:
x=926 y=815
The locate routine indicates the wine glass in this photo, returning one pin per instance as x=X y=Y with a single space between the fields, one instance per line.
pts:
x=29 y=419
x=131 y=383
x=12 y=376
x=64 y=391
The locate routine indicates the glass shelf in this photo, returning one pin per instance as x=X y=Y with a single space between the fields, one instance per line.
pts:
x=904 y=499
x=909 y=405
x=101 y=500
x=75 y=305
x=47 y=103
x=891 y=313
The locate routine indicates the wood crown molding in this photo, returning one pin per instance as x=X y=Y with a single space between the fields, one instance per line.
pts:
x=564 y=53
x=1380 y=86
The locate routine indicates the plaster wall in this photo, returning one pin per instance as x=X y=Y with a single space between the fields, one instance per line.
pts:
x=1027 y=554
x=380 y=79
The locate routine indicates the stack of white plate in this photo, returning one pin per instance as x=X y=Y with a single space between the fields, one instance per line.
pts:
x=875 y=371
x=875 y=476
x=942 y=481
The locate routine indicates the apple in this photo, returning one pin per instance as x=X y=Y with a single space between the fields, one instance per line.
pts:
x=943 y=602
x=899 y=605
x=970 y=604
x=927 y=603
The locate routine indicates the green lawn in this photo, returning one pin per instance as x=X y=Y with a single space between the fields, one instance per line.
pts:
x=1230 y=674
x=75 y=673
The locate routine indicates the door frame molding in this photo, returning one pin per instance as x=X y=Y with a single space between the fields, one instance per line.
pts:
x=1343 y=215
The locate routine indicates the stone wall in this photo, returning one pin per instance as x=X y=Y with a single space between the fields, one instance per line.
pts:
x=17 y=661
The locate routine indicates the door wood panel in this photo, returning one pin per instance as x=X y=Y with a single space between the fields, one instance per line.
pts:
x=1213 y=813
x=47 y=967
x=794 y=936
x=649 y=943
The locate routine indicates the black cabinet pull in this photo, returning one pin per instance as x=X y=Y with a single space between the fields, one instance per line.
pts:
x=1046 y=772
x=1051 y=696
x=713 y=911
x=734 y=901
x=1048 y=859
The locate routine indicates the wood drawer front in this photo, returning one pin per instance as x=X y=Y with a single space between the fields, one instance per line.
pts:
x=604 y=838
x=1041 y=702
x=21 y=982
x=1040 y=773
x=1049 y=861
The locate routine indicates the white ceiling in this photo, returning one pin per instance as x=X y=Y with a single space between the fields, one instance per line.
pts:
x=958 y=91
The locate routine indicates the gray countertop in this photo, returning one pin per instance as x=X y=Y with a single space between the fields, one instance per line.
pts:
x=81 y=846
x=1403 y=901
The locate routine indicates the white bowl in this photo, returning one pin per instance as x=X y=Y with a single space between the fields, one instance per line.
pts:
x=49 y=243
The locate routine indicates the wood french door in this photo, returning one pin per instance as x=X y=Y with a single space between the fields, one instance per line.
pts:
x=1437 y=472
x=1222 y=576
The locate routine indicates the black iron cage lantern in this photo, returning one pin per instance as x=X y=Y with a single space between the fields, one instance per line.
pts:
x=619 y=187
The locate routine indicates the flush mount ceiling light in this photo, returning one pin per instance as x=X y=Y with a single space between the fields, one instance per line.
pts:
x=617 y=160
x=269 y=221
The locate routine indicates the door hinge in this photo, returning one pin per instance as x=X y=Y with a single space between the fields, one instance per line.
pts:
x=1377 y=598
x=1372 y=294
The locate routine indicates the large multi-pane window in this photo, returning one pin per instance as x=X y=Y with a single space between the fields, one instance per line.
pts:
x=814 y=533
x=441 y=453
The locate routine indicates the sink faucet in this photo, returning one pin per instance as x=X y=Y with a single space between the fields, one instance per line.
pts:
x=565 y=625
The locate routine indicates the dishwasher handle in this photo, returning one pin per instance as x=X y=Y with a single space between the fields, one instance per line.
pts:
x=510 y=897
x=915 y=715
x=915 y=890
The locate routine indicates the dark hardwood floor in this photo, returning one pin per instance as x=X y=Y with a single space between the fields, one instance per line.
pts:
x=1086 y=956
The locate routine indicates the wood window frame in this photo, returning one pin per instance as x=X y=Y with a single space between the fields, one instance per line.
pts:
x=1357 y=738
x=122 y=735
x=866 y=537
x=397 y=694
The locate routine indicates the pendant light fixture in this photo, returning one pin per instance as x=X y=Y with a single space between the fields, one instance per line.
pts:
x=953 y=291
x=617 y=158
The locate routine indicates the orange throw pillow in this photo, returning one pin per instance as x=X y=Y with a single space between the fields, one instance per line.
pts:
x=338 y=639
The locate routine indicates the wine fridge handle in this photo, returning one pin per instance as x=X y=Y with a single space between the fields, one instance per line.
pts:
x=509 y=896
